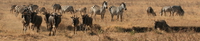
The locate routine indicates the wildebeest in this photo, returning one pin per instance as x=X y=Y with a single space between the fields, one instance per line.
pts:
x=56 y=7
x=36 y=21
x=97 y=10
x=150 y=11
x=54 y=21
x=46 y=18
x=178 y=9
x=33 y=7
x=161 y=24
x=26 y=15
x=68 y=9
x=117 y=11
x=75 y=22
x=82 y=10
x=87 y=21
x=13 y=8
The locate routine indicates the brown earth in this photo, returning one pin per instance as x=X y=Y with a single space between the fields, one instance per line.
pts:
x=134 y=16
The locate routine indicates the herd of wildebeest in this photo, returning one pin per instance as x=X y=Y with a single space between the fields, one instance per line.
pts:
x=30 y=19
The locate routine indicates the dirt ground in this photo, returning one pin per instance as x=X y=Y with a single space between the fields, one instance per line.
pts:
x=134 y=16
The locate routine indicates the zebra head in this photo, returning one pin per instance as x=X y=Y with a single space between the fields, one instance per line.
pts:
x=123 y=5
x=104 y=4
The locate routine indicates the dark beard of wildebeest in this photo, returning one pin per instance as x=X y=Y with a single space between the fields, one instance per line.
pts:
x=150 y=11
x=75 y=22
x=36 y=21
x=87 y=21
x=97 y=10
x=117 y=11
x=54 y=21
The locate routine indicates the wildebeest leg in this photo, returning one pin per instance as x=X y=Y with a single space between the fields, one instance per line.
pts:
x=38 y=28
x=54 y=30
x=50 y=30
x=74 y=29
x=24 y=28
x=112 y=17
x=85 y=28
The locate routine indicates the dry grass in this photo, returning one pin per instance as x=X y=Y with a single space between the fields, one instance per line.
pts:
x=11 y=26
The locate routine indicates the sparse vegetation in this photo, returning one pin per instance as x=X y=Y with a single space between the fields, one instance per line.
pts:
x=11 y=30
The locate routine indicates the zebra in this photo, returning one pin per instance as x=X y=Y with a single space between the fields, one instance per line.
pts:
x=166 y=9
x=13 y=8
x=117 y=11
x=81 y=10
x=33 y=7
x=42 y=10
x=178 y=9
x=56 y=7
x=20 y=9
x=172 y=10
x=68 y=9
x=99 y=10
x=150 y=11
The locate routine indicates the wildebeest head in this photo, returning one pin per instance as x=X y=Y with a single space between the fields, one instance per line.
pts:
x=55 y=15
x=105 y=4
x=123 y=5
x=85 y=15
x=75 y=20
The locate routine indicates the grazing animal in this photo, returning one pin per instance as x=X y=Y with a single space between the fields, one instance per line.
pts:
x=20 y=9
x=117 y=11
x=97 y=10
x=42 y=10
x=36 y=21
x=87 y=21
x=166 y=9
x=13 y=8
x=161 y=24
x=54 y=21
x=56 y=7
x=68 y=9
x=178 y=9
x=75 y=22
x=26 y=15
x=46 y=18
x=82 y=10
x=150 y=11
x=32 y=7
